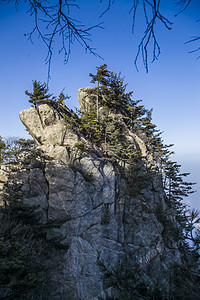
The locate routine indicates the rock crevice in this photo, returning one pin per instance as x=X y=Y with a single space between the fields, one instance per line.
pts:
x=101 y=221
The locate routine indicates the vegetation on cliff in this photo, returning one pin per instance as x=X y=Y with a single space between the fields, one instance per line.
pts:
x=118 y=127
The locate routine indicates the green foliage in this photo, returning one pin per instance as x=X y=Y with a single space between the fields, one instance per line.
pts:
x=25 y=256
x=81 y=145
x=174 y=183
x=115 y=115
x=40 y=94
x=2 y=150
x=137 y=178
x=99 y=123
x=132 y=283
x=61 y=98
x=13 y=149
x=102 y=76
x=186 y=276
x=108 y=121
x=72 y=121
x=118 y=113
x=90 y=126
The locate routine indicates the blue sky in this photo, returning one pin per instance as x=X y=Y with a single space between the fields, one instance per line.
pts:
x=171 y=87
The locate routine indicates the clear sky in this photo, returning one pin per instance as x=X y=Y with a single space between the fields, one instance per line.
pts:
x=171 y=88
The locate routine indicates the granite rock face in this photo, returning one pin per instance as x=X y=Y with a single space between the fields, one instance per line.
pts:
x=47 y=126
x=92 y=212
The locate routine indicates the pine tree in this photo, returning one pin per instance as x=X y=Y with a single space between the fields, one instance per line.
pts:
x=2 y=149
x=12 y=149
x=26 y=258
x=40 y=94
x=90 y=126
x=61 y=98
x=102 y=79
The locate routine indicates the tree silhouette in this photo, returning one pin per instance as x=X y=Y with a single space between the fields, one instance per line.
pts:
x=61 y=28
x=40 y=94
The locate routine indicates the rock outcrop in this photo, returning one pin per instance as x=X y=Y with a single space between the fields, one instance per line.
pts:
x=94 y=214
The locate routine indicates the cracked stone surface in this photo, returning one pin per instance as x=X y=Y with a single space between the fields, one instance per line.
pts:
x=94 y=216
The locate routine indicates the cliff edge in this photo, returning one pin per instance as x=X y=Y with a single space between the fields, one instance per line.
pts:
x=102 y=219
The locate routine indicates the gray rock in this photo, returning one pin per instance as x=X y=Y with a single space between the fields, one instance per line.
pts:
x=87 y=202
x=46 y=126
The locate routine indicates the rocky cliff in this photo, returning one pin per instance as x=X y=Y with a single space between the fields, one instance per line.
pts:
x=100 y=222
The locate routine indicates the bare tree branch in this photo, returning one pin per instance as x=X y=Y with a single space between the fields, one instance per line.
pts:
x=152 y=14
x=183 y=4
x=194 y=39
x=110 y=2
x=53 y=22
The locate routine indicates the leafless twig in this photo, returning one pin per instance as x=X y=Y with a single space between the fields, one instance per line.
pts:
x=151 y=10
x=183 y=4
x=110 y=2
x=53 y=23
x=194 y=39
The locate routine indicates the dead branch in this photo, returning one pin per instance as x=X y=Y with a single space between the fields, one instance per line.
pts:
x=152 y=14
x=53 y=23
